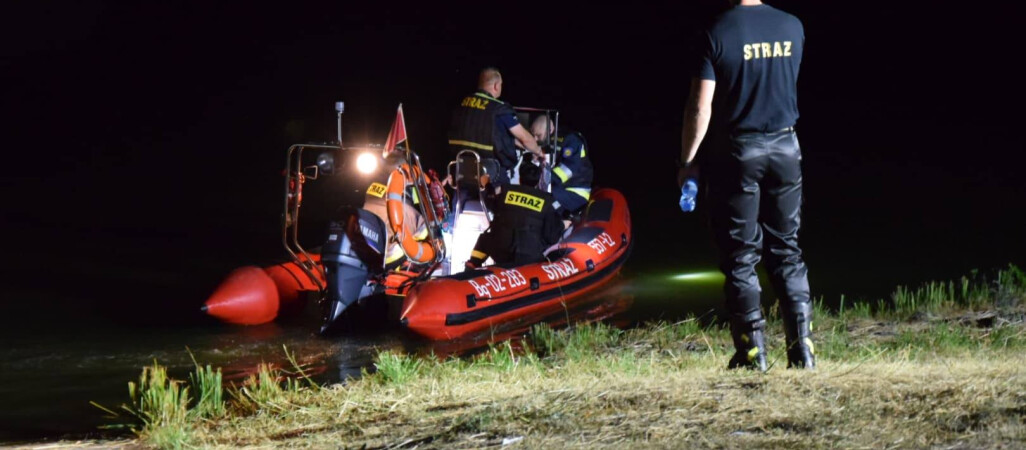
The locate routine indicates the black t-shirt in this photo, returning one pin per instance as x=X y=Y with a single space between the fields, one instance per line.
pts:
x=753 y=53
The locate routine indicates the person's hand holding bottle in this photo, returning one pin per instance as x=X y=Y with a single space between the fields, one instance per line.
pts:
x=687 y=179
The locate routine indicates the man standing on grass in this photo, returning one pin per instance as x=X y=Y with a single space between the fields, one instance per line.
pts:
x=746 y=87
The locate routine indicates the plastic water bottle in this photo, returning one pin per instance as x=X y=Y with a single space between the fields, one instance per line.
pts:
x=688 y=195
x=447 y=223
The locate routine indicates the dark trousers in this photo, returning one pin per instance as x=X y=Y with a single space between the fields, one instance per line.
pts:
x=490 y=245
x=755 y=194
x=505 y=246
x=569 y=202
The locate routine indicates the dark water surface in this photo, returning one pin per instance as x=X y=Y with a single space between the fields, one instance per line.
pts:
x=48 y=377
x=47 y=381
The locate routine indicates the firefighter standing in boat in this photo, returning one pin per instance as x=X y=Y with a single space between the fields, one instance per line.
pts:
x=488 y=126
x=525 y=224
x=746 y=86
x=571 y=183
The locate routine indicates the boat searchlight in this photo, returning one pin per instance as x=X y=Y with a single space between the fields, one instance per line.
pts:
x=366 y=163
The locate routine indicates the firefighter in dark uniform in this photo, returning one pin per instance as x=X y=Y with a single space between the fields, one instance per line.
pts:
x=572 y=177
x=525 y=223
x=744 y=94
x=488 y=126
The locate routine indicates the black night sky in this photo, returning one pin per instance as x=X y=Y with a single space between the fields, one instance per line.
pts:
x=144 y=140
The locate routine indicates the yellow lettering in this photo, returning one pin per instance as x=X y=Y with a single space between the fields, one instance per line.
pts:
x=524 y=201
x=758 y=50
x=474 y=102
x=376 y=189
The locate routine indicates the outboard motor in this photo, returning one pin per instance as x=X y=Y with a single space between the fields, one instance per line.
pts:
x=351 y=255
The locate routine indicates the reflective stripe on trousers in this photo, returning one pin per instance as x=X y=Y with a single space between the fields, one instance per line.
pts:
x=586 y=193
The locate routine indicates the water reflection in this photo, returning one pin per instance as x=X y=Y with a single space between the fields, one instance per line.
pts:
x=48 y=379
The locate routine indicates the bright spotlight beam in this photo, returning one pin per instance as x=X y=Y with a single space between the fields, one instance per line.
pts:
x=698 y=276
x=366 y=163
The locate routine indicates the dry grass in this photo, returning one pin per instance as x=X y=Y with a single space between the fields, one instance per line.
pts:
x=907 y=384
x=876 y=403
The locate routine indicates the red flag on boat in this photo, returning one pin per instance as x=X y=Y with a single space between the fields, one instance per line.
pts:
x=397 y=134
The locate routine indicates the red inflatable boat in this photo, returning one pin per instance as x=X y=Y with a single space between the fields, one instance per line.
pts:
x=253 y=295
x=403 y=248
x=470 y=302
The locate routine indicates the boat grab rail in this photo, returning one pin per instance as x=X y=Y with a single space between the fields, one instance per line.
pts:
x=459 y=175
x=290 y=214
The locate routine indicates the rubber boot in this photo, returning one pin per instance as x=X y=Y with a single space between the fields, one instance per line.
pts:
x=749 y=342
x=801 y=353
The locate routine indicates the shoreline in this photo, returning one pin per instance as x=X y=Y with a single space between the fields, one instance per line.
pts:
x=937 y=365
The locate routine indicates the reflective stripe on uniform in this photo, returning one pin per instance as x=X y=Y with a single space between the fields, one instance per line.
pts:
x=489 y=97
x=394 y=253
x=563 y=172
x=421 y=234
x=479 y=255
x=470 y=144
x=582 y=151
x=392 y=196
x=586 y=193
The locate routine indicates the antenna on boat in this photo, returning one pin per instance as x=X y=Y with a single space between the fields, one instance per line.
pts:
x=340 y=107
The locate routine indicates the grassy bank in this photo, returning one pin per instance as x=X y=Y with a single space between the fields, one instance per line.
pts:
x=938 y=365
